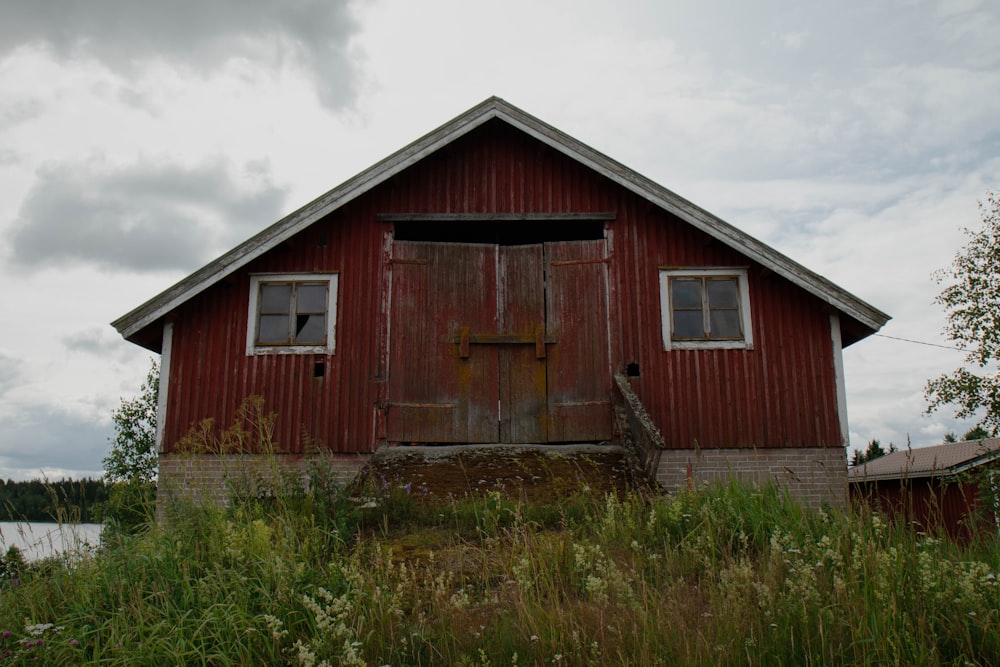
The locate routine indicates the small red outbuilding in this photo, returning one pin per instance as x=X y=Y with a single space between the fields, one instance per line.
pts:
x=951 y=487
x=485 y=284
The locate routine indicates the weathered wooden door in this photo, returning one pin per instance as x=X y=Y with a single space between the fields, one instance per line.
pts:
x=493 y=343
x=437 y=394
x=521 y=345
x=579 y=375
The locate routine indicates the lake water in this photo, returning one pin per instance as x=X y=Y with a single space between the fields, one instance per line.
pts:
x=40 y=540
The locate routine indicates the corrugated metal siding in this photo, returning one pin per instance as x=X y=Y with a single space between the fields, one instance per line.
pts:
x=782 y=393
x=211 y=373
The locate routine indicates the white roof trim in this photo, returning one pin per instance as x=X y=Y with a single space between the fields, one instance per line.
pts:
x=151 y=311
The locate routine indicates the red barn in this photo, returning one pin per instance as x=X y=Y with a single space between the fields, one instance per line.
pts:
x=487 y=284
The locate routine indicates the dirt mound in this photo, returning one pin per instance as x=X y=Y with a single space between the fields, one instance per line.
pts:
x=534 y=473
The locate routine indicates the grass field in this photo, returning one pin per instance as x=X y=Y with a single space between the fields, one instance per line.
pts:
x=724 y=576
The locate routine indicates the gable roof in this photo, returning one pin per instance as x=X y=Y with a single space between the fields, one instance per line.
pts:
x=870 y=318
x=936 y=461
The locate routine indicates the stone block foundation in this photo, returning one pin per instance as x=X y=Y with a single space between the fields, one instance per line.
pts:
x=212 y=478
x=816 y=476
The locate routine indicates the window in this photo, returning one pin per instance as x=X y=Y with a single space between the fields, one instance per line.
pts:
x=292 y=314
x=705 y=308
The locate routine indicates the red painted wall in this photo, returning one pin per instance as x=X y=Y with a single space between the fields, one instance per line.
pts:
x=780 y=394
x=931 y=505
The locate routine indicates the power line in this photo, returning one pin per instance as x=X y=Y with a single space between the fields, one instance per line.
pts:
x=920 y=342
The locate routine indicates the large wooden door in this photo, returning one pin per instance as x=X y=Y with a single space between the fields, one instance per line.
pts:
x=437 y=394
x=494 y=343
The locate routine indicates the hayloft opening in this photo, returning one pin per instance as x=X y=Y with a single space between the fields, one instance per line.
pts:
x=499 y=233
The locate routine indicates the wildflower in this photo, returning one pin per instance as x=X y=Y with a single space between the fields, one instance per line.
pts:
x=6 y=634
x=74 y=643
x=39 y=629
x=534 y=638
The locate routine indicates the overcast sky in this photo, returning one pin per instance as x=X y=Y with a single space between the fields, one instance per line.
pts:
x=138 y=140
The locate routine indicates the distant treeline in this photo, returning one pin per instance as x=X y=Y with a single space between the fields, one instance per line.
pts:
x=65 y=500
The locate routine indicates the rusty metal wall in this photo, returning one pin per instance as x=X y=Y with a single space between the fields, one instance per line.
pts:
x=781 y=393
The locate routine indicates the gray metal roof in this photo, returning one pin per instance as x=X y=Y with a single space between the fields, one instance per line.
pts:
x=135 y=321
x=935 y=461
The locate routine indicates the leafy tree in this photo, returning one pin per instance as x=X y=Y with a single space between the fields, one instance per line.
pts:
x=133 y=448
x=130 y=468
x=972 y=304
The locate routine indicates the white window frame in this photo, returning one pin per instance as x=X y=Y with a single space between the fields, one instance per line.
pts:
x=666 y=309
x=332 y=280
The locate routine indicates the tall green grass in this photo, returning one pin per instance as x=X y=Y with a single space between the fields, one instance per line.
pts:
x=308 y=575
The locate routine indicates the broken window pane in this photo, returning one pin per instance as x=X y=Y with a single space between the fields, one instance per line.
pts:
x=311 y=329
x=293 y=312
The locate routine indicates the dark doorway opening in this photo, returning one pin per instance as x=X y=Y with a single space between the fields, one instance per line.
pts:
x=499 y=233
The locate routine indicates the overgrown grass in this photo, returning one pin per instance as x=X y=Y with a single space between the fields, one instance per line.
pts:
x=725 y=576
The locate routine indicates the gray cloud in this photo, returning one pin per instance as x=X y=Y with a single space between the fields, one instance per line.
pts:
x=855 y=89
x=773 y=39
x=100 y=342
x=124 y=35
x=10 y=371
x=47 y=437
x=17 y=111
x=148 y=216
x=8 y=156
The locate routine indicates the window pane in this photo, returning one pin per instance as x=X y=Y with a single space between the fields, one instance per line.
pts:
x=723 y=293
x=688 y=324
x=311 y=329
x=311 y=298
x=725 y=324
x=686 y=292
x=272 y=329
x=275 y=298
